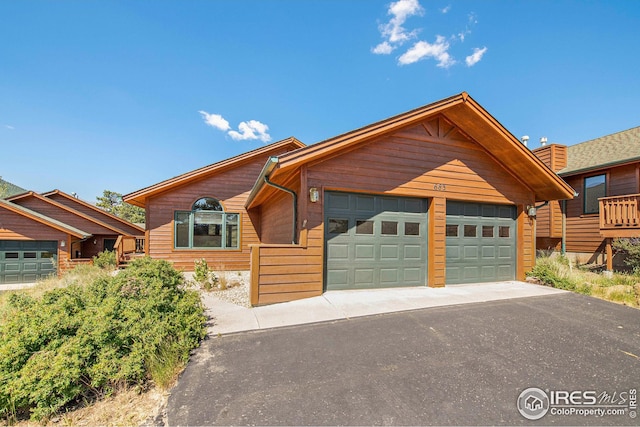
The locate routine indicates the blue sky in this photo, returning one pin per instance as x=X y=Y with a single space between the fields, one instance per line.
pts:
x=120 y=95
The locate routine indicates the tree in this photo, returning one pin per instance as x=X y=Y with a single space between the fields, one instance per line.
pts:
x=4 y=189
x=112 y=203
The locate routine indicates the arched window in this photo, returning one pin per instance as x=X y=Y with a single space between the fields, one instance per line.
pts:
x=207 y=204
x=206 y=226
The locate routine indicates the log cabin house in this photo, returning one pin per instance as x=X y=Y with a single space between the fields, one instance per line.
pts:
x=605 y=172
x=43 y=234
x=436 y=196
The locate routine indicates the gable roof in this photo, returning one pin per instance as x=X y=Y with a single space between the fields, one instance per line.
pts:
x=43 y=219
x=606 y=151
x=11 y=189
x=463 y=112
x=137 y=198
x=31 y=194
x=95 y=209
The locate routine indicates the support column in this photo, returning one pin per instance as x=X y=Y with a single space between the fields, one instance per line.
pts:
x=609 y=254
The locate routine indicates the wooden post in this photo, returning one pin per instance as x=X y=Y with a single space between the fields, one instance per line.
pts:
x=255 y=274
x=609 y=255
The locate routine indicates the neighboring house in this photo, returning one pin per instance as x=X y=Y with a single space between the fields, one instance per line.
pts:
x=44 y=233
x=8 y=189
x=605 y=172
x=438 y=195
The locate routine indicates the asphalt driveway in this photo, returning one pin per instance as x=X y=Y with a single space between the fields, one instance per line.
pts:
x=460 y=365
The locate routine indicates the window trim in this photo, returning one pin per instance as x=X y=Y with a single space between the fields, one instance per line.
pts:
x=223 y=236
x=584 y=192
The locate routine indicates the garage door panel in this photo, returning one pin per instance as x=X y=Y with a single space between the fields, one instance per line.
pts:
x=364 y=251
x=488 y=252
x=363 y=275
x=364 y=204
x=389 y=275
x=471 y=252
x=339 y=252
x=389 y=252
x=412 y=275
x=413 y=252
x=29 y=267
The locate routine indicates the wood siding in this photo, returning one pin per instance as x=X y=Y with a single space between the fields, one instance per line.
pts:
x=284 y=273
x=231 y=188
x=63 y=215
x=554 y=156
x=583 y=231
x=432 y=160
x=97 y=213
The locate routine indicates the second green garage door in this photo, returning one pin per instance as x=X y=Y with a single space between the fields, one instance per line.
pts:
x=481 y=242
x=374 y=241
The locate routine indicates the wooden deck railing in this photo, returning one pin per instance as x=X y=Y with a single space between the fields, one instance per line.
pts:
x=127 y=245
x=619 y=213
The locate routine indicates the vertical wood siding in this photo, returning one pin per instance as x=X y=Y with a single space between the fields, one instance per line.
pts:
x=432 y=160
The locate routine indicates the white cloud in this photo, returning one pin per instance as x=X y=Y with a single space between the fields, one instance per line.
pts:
x=422 y=50
x=476 y=56
x=383 y=48
x=9 y=127
x=215 y=120
x=252 y=129
x=445 y=9
x=393 y=31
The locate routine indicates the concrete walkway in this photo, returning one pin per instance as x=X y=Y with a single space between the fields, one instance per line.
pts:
x=333 y=305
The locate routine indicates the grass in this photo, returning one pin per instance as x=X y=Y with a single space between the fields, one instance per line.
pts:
x=561 y=273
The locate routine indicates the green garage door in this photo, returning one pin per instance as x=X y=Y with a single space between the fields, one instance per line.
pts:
x=27 y=261
x=481 y=242
x=374 y=241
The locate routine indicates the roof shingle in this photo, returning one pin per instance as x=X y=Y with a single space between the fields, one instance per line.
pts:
x=617 y=148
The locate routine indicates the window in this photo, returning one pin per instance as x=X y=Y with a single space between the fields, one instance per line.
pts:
x=389 y=228
x=452 y=230
x=338 y=226
x=470 y=231
x=206 y=226
x=364 y=227
x=487 y=231
x=504 y=231
x=594 y=188
x=411 y=228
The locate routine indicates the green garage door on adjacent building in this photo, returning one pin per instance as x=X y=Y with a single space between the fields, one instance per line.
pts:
x=27 y=261
x=481 y=242
x=374 y=241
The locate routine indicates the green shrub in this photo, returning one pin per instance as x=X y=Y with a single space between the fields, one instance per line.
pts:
x=202 y=275
x=84 y=341
x=105 y=259
x=631 y=248
x=552 y=271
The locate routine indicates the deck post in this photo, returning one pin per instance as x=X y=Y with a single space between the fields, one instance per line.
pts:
x=609 y=254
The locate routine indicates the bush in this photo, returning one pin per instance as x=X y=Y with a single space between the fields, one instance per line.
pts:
x=631 y=248
x=202 y=275
x=105 y=260
x=86 y=340
x=556 y=272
